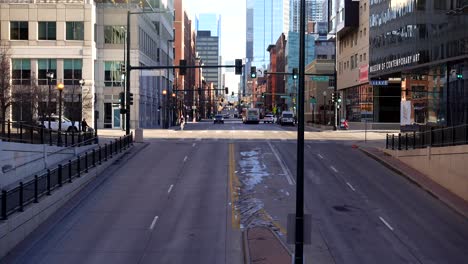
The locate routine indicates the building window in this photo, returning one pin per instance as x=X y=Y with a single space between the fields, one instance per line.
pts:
x=75 y=31
x=360 y=58
x=47 y=30
x=19 y=30
x=365 y=57
x=45 y=66
x=112 y=73
x=365 y=6
x=114 y=34
x=365 y=31
x=21 y=72
x=72 y=71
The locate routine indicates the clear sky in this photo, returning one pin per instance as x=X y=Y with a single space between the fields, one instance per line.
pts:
x=232 y=29
x=232 y=23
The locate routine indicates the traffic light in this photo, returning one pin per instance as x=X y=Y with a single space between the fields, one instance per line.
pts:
x=182 y=64
x=238 y=66
x=263 y=95
x=295 y=74
x=333 y=99
x=459 y=76
x=122 y=102
x=130 y=98
x=232 y=94
x=226 y=90
x=253 y=72
x=338 y=98
x=122 y=68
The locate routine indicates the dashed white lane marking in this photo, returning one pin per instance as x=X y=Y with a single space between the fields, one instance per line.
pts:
x=309 y=146
x=286 y=171
x=385 y=222
x=185 y=159
x=320 y=156
x=198 y=139
x=350 y=186
x=333 y=169
x=170 y=188
x=153 y=223
x=193 y=145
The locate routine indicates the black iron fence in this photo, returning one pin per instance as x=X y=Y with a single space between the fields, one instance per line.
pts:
x=15 y=199
x=22 y=132
x=442 y=137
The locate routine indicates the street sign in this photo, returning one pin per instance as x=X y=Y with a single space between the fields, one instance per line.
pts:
x=379 y=82
x=284 y=96
x=319 y=78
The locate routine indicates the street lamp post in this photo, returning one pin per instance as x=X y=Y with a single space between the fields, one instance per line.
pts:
x=324 y=108
x=60 y=87
x=50 y=76
x=82 y=83
x=164 y=92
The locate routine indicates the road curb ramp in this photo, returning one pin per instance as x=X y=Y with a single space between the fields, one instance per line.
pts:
x=418 y=178
x=264 y=247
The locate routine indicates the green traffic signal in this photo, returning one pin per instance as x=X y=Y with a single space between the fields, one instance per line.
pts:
x=253 y=72
x=459 y=76
x=294 y=72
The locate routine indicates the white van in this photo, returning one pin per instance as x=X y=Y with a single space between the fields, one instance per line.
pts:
x=252 y=116
x=287 y=117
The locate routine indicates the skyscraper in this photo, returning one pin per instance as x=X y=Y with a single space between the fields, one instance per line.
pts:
x=208 y=27
x=314 y=13
x=266 y=20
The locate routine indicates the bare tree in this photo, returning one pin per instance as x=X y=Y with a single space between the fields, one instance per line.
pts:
x=5 y=84
x=27 y=99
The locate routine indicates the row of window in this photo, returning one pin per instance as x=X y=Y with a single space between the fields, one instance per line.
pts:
x=47 y=30
x=72 y=72
x=352 y=63
x=352 y=39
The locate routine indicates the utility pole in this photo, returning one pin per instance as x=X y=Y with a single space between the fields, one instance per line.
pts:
x=127 y=79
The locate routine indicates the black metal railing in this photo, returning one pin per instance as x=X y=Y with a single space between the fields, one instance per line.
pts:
x=441 y=137
x=23 y=132
x=17 y=198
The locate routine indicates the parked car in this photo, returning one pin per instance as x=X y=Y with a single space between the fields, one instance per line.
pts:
x=218 y=119
x=269 y=119
x=287 y=117
x=67 y=124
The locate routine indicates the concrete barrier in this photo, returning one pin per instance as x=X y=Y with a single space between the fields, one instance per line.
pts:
x=139 y=135
x=19 y=161
x=446 y=166
x=19 y=225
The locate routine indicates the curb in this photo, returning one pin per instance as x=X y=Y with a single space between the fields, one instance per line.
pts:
x=429 y=190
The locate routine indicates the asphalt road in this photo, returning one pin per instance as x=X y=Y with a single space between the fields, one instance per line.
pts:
x=186 y=197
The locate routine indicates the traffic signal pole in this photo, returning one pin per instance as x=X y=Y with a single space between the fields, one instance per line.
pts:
x=127 y=79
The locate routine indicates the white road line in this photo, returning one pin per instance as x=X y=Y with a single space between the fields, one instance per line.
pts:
x=286 y=171
x=170 y=188
x=333 y=168
x=350 y=186
x=320 y=156
x=198 y=139
x=154 y=222
x=185 y=159
x=385 y=222
x=309 y=146
x=193 y=145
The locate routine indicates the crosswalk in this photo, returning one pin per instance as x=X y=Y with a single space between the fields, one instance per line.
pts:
x=236 y=140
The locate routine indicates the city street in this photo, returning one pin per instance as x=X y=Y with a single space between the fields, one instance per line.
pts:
x=185 y=197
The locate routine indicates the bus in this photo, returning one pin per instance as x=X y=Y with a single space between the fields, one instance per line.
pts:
x=251 y=115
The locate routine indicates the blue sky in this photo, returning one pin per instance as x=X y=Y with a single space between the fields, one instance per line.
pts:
x=232 y=23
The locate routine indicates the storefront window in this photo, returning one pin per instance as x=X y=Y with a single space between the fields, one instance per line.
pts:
x=359 y=103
